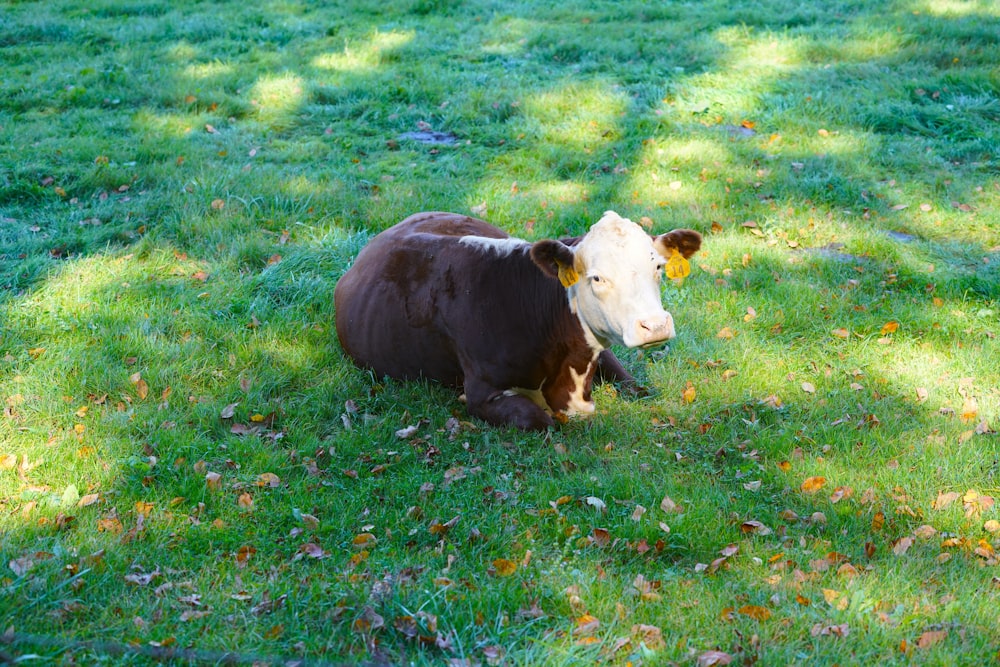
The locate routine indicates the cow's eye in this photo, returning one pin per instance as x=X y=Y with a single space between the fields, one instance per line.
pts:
x=596 y=279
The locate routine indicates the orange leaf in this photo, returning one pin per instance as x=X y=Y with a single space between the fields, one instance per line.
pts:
x=755 y=612
x=890 y=327
x=725 y=333
x=689 y=393
x=841 y=333
x=878 y=521
x=813 y=484
x=931 y=637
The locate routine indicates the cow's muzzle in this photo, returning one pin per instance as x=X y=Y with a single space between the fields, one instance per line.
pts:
x=652 y=331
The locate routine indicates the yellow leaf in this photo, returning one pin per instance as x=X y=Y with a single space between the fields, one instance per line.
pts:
x=689 y=393
x=725 y=333
x=143 y=508
x=363 y=540
x=88 y=499
x=813 y=484
x=268 y=479
x=8 y=461
x=890 y=327
x=586 y=624
x=36 y=352
x=755 y=612
x=504 y=567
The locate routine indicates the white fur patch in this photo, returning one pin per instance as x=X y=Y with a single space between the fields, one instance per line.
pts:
x=501 y=247
x=577 y=404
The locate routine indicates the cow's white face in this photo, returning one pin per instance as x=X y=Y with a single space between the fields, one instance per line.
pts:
x=617 y=294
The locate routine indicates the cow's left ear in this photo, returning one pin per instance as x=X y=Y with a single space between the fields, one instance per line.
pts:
x=555 y=259
x=685 y=241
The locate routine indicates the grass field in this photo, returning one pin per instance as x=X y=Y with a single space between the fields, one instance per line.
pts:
x=190 y=468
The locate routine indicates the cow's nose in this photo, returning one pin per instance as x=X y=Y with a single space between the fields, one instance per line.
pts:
x=653 y=330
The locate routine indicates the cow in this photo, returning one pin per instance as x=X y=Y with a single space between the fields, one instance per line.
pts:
x=522 y=328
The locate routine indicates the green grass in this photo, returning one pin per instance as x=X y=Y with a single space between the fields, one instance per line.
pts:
x=181 y=185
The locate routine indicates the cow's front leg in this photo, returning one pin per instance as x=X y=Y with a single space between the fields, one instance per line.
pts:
x=504 y=408
x=609 y=369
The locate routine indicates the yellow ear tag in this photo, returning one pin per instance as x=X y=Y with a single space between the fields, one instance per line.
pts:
x=568 y=276
x=677 y=267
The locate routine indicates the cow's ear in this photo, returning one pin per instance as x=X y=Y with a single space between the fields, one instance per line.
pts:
x=685 y=241
x=555 y=259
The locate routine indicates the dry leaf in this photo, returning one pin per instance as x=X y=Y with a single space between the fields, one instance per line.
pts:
x=755 y=612
x=713 y=658
x=213 y=480
x=902 y=545
x=689 y=393
x=668 y=505
x=931 y=637
x=268 y=479
x=504 y=567
x=840 y=493
x=755 y=528
x=944 y=500
x=841 y=333
x=649 y=635
x=725 y=333
x=889 y=328
x=808 y=387
x=813 y=484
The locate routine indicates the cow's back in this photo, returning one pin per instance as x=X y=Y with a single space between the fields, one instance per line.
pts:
x=388 y=304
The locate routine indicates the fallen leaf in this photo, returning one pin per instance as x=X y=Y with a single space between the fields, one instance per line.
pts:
x=649 y=635
x=407 y=432
x=820 y=630
x=596 y=503
x=638 y=512
x=504 y=567
x=268 y=479
x=689 y=393
x=713 y=658
x=813 y=484
x=725 y=333
x=944 y=500
x=668 y=505
x=808 y=387
x=755 y=612
x=586 y=624
x=841 y=333
x=902 y=545
x=931 y=637
x=890 y=327
x=755 y=528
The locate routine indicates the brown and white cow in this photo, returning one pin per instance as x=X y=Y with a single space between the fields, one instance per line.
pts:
x=522 y=327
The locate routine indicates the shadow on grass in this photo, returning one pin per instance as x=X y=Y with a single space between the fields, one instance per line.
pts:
x=190 y=296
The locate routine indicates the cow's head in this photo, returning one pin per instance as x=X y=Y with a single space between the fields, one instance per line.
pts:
x=612 y=277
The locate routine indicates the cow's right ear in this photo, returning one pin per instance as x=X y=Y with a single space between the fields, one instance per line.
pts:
x=555 y=259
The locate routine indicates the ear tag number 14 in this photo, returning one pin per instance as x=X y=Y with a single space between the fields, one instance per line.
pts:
x=677 y=267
